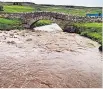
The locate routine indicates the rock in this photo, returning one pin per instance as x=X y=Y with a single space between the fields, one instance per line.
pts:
x=29 y=39
x=11 y=34
x=100 y=48
x=70 y=29
x=58 y=50
x=11 y=42
x=20 y=46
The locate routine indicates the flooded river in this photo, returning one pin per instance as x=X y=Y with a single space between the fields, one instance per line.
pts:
x=48 y=59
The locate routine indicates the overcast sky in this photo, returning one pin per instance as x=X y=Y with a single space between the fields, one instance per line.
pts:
x=65 y=2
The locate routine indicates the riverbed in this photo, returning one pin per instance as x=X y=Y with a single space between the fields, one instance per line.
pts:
x=30 y=59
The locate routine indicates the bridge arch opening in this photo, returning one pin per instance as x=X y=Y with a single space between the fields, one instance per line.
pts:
x=65 y=26
x=41 y=22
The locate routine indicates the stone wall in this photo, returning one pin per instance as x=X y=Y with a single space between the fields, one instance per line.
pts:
x=29 y=18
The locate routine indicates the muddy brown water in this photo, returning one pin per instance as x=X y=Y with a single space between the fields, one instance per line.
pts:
x=48 y=59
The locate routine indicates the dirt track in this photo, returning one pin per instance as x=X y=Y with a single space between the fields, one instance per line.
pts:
x=43 y=59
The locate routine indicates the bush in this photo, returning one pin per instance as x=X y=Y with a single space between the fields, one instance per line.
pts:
x=1 y=8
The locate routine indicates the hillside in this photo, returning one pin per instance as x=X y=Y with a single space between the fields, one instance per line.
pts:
x=31 y=7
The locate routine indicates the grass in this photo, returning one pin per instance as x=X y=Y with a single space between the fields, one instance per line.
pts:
x=89 y=25
x=90 y=30
x=74 y=11
x=9 y=21
x=6 y=24
x=42 y=23
x=17 y=9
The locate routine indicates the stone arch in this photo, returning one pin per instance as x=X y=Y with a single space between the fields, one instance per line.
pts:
x=35 y=20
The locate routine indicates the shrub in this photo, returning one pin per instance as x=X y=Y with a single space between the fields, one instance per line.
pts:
x=1 y=8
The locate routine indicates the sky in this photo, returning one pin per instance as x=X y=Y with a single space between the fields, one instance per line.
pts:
x=90 y=3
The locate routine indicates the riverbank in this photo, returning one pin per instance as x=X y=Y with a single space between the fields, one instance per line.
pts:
x=90 y=30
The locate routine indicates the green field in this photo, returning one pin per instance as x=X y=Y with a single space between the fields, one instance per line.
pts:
x=90 y=30
x=17 y=9
x=74 y=11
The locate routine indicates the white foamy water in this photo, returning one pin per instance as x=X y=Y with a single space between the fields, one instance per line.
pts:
x=49 y=28
x=48 y=60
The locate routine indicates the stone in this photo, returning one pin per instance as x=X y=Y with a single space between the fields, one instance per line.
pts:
x=11 y=42
x=29 y=39
x=100 y=48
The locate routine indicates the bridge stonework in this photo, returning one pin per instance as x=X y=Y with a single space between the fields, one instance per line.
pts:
x=29 y=18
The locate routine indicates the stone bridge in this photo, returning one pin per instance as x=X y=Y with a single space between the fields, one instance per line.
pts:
x=29 y=19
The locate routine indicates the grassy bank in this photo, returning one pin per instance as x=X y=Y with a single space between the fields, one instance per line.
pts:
x=7 y=24
x=90 y=30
